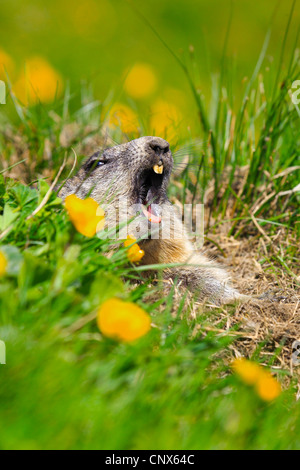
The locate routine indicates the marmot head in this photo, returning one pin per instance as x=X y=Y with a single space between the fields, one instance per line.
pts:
x=138 y=171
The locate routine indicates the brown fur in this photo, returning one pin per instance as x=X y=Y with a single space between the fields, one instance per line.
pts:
x=120 y=176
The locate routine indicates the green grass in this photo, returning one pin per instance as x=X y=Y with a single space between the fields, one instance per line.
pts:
x=71 y=388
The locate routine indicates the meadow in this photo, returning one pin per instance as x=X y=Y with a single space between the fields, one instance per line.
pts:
x=202 y=376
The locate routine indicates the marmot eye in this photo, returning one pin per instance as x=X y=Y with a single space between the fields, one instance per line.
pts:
x=101 y=163
x=92 y=165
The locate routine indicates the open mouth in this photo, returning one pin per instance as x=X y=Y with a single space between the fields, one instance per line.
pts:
x=150 y=184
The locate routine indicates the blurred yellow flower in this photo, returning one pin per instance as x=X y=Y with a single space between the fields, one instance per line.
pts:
x=123 y=117
x=141 y=81
x=3 y=263
x=6 y=65
x=39 y=82
x=247 y=370
x=85 y=214
x=267 y=387
x=123 y=321
x=165 y=120
x=252 y=374
x=134 y=252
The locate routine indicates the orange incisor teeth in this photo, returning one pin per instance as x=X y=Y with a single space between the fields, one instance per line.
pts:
x=158 y=169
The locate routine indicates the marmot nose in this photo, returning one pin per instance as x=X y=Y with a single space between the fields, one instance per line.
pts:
x=160 y=146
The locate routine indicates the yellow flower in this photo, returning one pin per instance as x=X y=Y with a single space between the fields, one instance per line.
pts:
x=3 y=264
x=247 y=370
x=39 y=82
x=134 y=252
x=141 y=81
x=121 y=320
x=165 y=120
x=252 y=374
x=267 y=387
x=86 y=215
x=123 y=117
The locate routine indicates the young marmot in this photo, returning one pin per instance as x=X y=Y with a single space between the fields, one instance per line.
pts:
x=137 y=173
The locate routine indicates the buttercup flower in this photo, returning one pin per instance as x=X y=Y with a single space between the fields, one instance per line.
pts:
x=123 y=321
x=85 y=214
x=121 y=116
x=3 y=264
x=252 y=374
x=267 y=387
x=141 y=81
x=39 y=82
x=134 y=252
x=248 y=371
x=165 y=119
